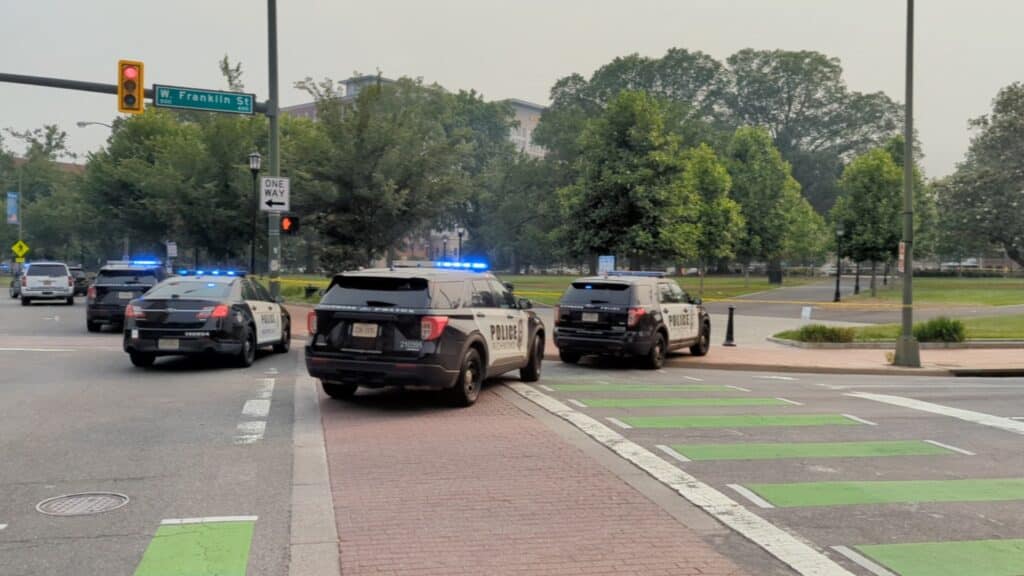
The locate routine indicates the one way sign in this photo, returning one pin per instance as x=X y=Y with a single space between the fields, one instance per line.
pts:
x=274 y=194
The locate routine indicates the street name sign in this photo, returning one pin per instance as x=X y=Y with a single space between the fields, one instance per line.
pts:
x=205 y=100
x=275 y=194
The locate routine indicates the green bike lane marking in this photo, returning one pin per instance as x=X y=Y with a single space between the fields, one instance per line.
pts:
x=659 y=402
x=804 y=494
x=959 y=558
x=640 y=388
x=777 y=451
x=738 y=421
x=216 y=546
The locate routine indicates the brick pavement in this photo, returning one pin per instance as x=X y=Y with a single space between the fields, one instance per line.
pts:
x=422 y=489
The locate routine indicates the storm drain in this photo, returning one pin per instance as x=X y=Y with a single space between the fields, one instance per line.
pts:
x=82 y=504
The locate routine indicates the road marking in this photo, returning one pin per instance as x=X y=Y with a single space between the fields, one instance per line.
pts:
x=266 y=388
x=256 y=408
x=754 y=498
x=783 y=378
x=738 y=421
x=250 y=432
x=619 y=423
x=672 y=453
x=830 y=386
x=36 y=350
x=788 y=401
x=576 y=403
x=604 y=387
x=740 y=388
x=809 y=494
x=213 y=546
x=271 y=371
x=783 y=450
x=693 y=378
x=861 y=420
x=207 y=520
x=1016 y=417
x=794 y=552
x=958 y=558
x=968 y=415
x=3 y=526
x=953 y=448
x=862 y=561
x=545 y=388
x=667 y=402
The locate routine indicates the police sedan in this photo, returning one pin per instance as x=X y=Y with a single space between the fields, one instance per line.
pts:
x=201 y=312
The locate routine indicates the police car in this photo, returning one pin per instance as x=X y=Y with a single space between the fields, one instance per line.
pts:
x=114 y=286
x=434 y=325
x=639 y=314
x=200 y=312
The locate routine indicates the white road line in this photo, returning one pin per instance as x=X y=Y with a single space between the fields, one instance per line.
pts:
x=2 y=526
x=799 y=555
x=619 y=423
x=1016 y=417
x=785 y=378
x=250 y=432
x=788 y=401
x=576 y=403
x=749 y=495
x=861 y=420
x=672 y=453
x=830 y=386
x=36 y=350
x=266 y=388
x=545 y=388
x=271 y=371
x=740 y=388
x=208 y=520
x=862 y=561
x=256 y=408
x=693 y=378
x=948 y=447
x=968 y=415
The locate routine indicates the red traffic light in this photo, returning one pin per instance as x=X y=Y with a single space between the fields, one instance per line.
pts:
x=289 y=225
x=130 y=72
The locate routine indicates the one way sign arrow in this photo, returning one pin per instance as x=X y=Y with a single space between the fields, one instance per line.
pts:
x=270 y=203
x=274 y=194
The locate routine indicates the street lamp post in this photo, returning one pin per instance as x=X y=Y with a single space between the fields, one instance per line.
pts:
x=83 y=124
x=254 y=166
x=444 y=247
x=461 y=231
x=839 y=259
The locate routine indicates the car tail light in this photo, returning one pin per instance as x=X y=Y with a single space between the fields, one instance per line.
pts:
x=431 y=327
x=311 y=322
x=91 y=293
x=24 y=281
x=558 y=315
x=218 y=311
x=133 y=311
x=634 y=316
x=71 y=280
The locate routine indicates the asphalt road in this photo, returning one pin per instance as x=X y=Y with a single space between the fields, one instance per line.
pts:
x=75 y=416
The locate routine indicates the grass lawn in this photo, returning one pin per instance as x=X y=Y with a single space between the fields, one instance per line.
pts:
x=981 y=328
x=953 y=291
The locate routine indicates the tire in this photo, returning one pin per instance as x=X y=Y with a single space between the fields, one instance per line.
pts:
x=25 y=301
x=141 y=359
x=531 y=372
x=92 y=326
x=285 y=344
x=247 y=355
x=703 y=343
x=338 y=390
x=655 y=359
x=569 y=357
x=470 y=379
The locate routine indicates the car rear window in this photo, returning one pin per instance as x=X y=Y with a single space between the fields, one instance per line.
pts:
x=146 y=277
x=378 y=292
x=612 y=293
x=188 y=289
x=47 y=270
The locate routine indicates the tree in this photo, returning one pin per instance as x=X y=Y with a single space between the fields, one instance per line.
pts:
x=630 y=197
x=761 y=181
x=806 y=238
x=719 y=219
x=870 y=210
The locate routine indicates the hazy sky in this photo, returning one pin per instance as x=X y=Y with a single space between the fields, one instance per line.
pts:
x=966 y=50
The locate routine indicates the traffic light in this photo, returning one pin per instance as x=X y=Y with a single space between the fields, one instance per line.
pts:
x=131 y=91
x=289 y=225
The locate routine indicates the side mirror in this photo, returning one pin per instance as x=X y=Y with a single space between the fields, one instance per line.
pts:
x=279 y=299
x=524 y=304
x=698 y=301
x=509 y=287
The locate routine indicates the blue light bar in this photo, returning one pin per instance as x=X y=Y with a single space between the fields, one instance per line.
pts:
x=145 y=262
x=645 y=273
x=215 y=272
x=200 y=272
x=182 y=272
x=231 y=272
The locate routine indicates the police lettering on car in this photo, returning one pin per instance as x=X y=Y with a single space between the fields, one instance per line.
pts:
x=435 y=325
x=639 y=314
x=215 y=312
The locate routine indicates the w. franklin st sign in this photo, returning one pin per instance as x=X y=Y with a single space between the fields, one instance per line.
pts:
x=205 y=100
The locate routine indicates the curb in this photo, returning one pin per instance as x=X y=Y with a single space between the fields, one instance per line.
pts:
x=891 y=345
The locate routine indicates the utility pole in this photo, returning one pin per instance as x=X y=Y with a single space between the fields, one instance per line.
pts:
x=274 y=221
x=907 y=350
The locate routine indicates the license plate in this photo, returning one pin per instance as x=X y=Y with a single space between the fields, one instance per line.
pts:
x=167 y=344
x=125 y=295
x=590 y=316
x=363 y=330
x=47 y=283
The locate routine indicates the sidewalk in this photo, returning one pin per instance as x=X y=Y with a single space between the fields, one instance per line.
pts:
x=422 y=489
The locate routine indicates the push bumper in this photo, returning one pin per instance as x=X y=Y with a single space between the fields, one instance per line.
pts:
x=376 y=374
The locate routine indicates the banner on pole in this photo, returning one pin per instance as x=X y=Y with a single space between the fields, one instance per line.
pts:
x=12 y=207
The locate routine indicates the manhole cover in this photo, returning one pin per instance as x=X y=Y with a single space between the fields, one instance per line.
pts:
x=82 y=504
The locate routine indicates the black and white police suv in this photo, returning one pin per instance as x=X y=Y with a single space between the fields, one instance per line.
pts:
x=639 y=314
x=434 y=325
x=202 y=313
x=114 y=286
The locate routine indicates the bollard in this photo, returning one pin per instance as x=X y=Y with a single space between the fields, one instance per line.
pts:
x=728 y=329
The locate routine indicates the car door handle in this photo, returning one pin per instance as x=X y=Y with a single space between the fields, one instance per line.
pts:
x=665 y=310
x=511 y=317
x=480 y=315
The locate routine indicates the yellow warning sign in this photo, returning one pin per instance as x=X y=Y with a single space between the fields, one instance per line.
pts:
x=20 y=249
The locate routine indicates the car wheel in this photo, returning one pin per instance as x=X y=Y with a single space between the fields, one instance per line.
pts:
x=92 y=326
x=656 y=357
x=141 y=359
x=338 y=390
x=247 y=355
x=569 y=357
x=25 y=301
x=531 y=372
x=471 y=378
x=703 y=343
x=286 y=340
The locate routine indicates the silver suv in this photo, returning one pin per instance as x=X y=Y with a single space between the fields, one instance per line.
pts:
x=47 y=281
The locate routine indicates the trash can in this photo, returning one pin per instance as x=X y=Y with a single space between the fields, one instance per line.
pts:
x=775 y=276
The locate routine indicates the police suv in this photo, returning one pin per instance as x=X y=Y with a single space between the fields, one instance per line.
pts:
x=435 y=325
x=202 y=313
x=114 y=286
x=639 y=314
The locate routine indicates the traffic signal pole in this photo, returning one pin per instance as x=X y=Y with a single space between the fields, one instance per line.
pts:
x=274 y=221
